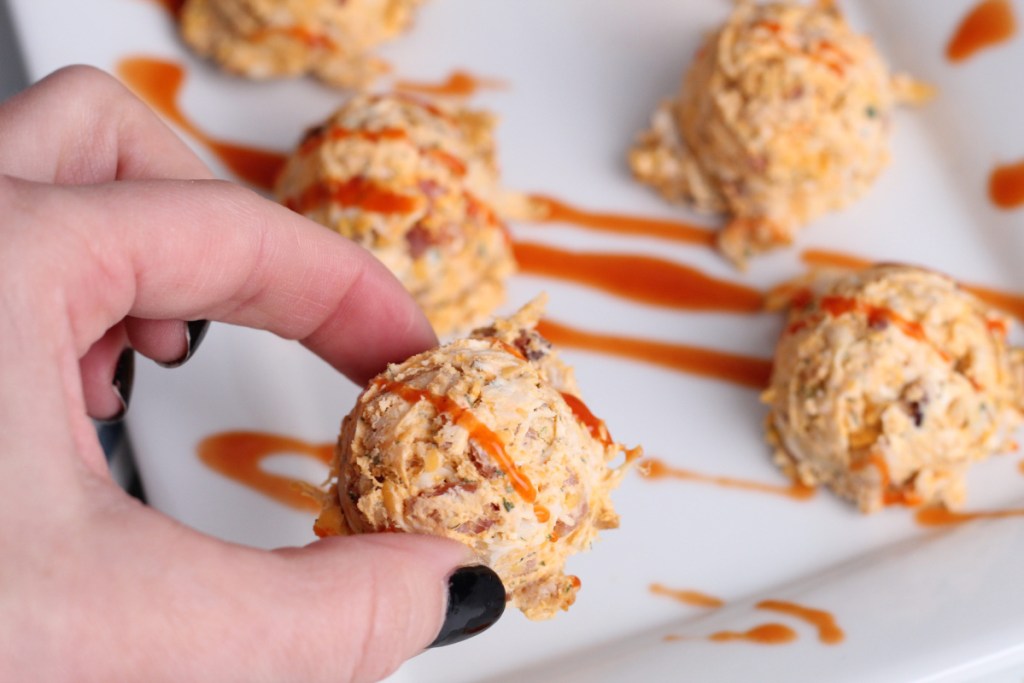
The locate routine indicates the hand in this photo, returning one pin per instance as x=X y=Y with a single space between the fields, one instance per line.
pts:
x=112 y=233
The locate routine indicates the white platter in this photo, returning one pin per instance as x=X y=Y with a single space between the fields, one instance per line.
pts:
x=583 y=75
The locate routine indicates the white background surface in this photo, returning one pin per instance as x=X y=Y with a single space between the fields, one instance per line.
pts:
x=584 y=76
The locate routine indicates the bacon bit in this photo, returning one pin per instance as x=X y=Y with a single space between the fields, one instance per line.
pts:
x=467 y=486
x=476 y=527
x=420 y=240
x=997 y=327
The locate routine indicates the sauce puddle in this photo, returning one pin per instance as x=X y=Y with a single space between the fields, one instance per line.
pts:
x=1006 y=186
x=1007 y=302
x=458 y=84
x=640 y=278
x=764 y=634
x=687 y=597
x=989 y=23
x=551 y=210
x=159 y=83
x=652 y=468
x=239 y=457
x=940 y=516
x=828 y=631
x=745 y=371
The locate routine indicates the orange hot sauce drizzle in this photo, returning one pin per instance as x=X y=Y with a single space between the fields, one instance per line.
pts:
x=989 y=23
x=838 y=305
x=159 y=83
x=641 y=278
x=828 y=631
x=480 y=433
x=173 y=7
x=356 y=192
x=1004 y=301
x=728 y=367
x=652 y=468
x=890 y=495
x=315 y=137
x=238 y=456
x=687 y=597
x=765 y=634
x=458 y=84
x=940 y=516
x=555 y=211
x=1006 y=186
x=594 y=424
x=1020 y=466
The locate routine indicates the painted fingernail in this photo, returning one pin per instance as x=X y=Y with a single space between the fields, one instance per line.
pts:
x=195 y=331
x=476 y=599
x=124 y=377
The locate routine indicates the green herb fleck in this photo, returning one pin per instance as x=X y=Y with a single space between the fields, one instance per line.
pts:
x=508 y=504
x=871 y=112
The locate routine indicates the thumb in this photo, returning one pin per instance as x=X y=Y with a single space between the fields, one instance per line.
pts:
x=379 y=599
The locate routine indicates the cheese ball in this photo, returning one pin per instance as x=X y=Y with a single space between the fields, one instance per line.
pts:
x=274 y=38
x=413 y=182
x=485 y=441
x=784 y=115
x=888 y=384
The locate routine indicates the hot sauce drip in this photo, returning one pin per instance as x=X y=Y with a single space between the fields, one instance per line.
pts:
x=239 y=456
x=765 y=634
x=458 y=84
x=989 y=23
x=940 y=516
x=652 y=468
x=551 y=210
x=173 y=7
x=1008 y=302
x=594 y=424
x=687 y=597
x=159 y=83
x=479 y=433
x=879 y=316
x=828 y=631
x=317 y=136
x=1006 y=186
x=640 y=278
x=358 y=192
x=728 y=367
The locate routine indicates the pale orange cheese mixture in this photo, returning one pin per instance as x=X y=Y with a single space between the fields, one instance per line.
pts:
x=486 y=441
x=414 y=183
x=274 y=38
x=784 y=115
x=887 y=384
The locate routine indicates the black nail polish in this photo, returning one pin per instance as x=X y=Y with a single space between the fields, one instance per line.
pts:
x=124 y=377
x=476 y=599
x=195 y=331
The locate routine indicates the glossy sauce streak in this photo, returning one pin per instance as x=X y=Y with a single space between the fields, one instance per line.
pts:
x=239 y=455
x=458 y=84
x=652 y=468
x=989 y=23
x=1020 y=466
x=694 y=360
x=594 y=424
x=358 y=192
x=836 y=306
x=687 y=597
x=765 y=634
x=828 y=631
x=1008 y=302
x=640 y=278
x=159 y=84
x=317 y=136
x=1006 y=186
x=480 y=433
x=940 y=516
x=551 y=210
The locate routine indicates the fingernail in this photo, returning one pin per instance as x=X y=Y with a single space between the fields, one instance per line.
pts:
x=195 y=331
x=476 y=599
x=124 y=377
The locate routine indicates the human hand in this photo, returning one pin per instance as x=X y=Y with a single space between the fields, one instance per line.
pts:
x=112 y=234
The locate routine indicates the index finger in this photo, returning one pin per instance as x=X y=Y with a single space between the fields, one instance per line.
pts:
x=205 y=249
